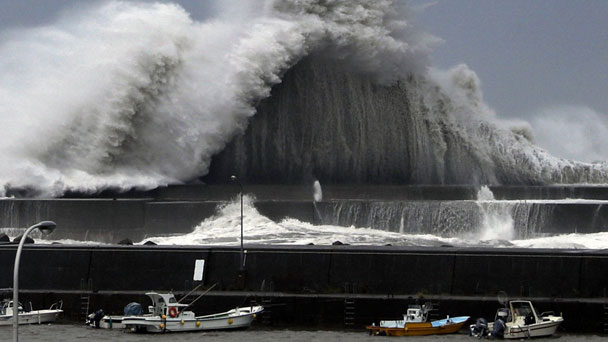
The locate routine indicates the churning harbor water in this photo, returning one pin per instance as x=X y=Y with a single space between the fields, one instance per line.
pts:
x=74 y=332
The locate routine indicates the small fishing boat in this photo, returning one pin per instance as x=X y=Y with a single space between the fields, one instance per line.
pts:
x=29 y=317
x=518 y=320
x=166 y=314
x=415 y=323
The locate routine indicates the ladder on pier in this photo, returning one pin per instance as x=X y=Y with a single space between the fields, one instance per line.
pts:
x=434 y=312
x=85 y=302
x=267 y=314
x=350 y=310
x=85 y=298
x=605 y=320
x=605 y=317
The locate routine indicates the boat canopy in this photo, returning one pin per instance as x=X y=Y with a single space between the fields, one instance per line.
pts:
x=164 y=299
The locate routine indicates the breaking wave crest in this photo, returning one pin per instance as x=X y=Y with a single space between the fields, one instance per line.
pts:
x=137 y=95
x=127 y=95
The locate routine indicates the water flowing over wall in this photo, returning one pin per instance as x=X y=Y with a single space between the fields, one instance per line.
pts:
x=107 y=220
x=489 y=220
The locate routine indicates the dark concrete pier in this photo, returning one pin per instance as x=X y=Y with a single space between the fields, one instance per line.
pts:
x=312 y=284
x=318 y=286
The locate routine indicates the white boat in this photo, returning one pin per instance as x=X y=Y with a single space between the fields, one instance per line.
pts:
x=167 y=315
x=520 y=320
x=29 y=317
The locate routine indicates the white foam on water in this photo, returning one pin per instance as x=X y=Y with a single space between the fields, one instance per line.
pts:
x=224 y=229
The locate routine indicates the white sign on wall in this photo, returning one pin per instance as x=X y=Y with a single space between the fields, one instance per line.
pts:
x=199 y=267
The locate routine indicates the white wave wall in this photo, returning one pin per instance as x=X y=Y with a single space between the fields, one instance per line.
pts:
x=506 y=150
x=127 y=95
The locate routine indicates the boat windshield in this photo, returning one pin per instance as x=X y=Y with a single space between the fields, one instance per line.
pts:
x=522 y=309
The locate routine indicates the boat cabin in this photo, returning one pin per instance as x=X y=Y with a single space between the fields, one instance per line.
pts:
x=522 y=313
x=519 y=313
x=415 y=314
x=7 y=308
x=162 y=302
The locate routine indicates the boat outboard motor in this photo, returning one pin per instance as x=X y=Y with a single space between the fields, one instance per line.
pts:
x=480 y=329
x=95 y=318
x=499 y=324
x=499 y=329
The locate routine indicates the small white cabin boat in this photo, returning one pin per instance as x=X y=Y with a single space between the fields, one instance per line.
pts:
x=520 y=320
x=29 y=317
x=167 y=315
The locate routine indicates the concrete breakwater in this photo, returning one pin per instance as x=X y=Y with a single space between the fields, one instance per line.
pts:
x=437 y=210
x=314 y=284
x=110 y=221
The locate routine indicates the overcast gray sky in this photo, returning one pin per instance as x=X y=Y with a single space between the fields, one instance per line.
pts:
x=528 y=53
x=534 y=58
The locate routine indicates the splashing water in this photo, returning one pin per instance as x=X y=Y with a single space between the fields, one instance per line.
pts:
x=224 y=229
x=497 y=221
x=317 y=192
x=137 y=95
x=485 y=194
x=128 y=94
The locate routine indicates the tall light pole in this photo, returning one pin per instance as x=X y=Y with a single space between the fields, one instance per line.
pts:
x=46 y=227
x=236 y=180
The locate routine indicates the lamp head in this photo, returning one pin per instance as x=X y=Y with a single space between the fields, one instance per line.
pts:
x=233 y=178
x=46 y=227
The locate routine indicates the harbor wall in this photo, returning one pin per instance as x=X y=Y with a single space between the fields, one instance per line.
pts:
x=112 y=220
x=323 y=277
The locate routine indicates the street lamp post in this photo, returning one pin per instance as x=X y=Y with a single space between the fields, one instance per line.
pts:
x=236 y=180
x=46 y=227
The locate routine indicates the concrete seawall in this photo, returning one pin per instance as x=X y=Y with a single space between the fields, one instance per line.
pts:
x=315 y=280
x=111 y=220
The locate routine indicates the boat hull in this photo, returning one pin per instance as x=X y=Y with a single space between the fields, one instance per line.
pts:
x=32 y=317
x=234 y=319
x=108 y=322
x=547 y=328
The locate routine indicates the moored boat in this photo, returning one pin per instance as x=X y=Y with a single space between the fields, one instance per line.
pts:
x=29 y=317
x=519 y=320
x=415 y=323
x=166 y=314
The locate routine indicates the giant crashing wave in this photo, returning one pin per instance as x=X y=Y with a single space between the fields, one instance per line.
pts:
x=126 y=95
x=328 y=123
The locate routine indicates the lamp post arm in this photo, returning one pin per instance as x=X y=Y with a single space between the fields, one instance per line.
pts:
x=16 y=284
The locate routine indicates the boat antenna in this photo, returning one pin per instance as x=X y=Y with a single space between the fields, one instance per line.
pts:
x=189 y=293
x=502 y=298
x=197 y=298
